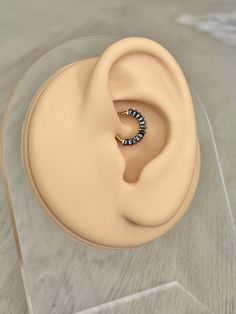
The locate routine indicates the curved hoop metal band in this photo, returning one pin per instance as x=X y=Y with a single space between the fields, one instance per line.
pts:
x=142 y=127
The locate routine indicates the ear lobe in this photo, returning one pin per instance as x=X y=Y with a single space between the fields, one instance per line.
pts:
x=139 y=72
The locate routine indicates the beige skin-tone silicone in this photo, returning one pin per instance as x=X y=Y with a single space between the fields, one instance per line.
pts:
x=96 y=189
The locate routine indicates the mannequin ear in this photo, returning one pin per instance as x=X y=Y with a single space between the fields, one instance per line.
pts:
x=140 y=73
x=94 y=187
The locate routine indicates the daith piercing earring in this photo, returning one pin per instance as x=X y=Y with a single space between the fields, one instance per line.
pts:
x=142 y=127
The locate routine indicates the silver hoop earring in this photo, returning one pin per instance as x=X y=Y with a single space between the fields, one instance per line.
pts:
x=133 y=113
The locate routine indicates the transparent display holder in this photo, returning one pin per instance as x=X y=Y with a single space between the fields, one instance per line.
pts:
x=185 y=271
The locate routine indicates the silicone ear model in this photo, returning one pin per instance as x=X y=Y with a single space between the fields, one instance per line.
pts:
x=97 y=189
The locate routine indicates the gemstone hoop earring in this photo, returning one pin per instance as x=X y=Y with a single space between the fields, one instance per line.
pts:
x=142 y=128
